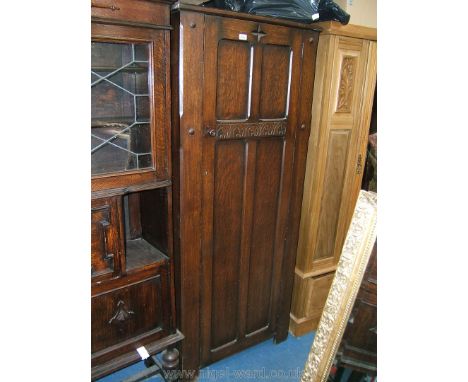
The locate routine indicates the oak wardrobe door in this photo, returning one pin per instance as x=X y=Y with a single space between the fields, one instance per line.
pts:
x=335 y=160
x=252 y=78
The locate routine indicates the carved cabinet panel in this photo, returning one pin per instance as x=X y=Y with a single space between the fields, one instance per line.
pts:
x=242 y=155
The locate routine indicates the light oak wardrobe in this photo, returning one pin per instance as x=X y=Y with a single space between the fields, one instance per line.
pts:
x=342 y=104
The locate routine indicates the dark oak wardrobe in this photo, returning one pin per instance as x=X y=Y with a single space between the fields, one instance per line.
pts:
x=242 y=90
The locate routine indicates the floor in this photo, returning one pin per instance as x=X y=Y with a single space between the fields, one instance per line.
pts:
x=265 y=361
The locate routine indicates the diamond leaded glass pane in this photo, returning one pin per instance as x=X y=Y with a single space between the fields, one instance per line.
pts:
x=120 y=108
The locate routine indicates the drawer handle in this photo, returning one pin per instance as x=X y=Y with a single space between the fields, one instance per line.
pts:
x=111 y=7
x=121 y=315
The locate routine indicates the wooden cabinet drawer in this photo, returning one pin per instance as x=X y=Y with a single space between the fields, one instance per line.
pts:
x=131 y=10
x=130 y=313
x=308 y=302
x=106 y=237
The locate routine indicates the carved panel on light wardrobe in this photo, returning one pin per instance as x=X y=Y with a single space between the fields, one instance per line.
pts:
x=345 y=90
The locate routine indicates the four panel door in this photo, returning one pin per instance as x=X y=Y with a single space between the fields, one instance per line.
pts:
x=251 y=89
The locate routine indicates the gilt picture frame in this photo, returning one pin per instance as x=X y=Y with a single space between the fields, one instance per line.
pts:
x=351 y=267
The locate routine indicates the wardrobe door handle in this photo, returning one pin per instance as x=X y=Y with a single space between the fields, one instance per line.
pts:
x=359 y=164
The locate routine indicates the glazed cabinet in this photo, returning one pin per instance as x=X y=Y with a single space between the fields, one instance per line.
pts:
x=343 y=96
x=130 y=132
x=132 y=283
x=241 y=125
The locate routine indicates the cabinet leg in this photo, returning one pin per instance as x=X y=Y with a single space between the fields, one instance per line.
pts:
x=170 y=364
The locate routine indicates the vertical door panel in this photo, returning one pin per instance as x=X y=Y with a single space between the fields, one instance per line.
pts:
x=335 y=169
x=267 y=183
x=275 y=82
x=232 y=93
x=227 y=215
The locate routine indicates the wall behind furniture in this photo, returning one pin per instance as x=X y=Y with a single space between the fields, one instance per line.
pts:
x=363 y=12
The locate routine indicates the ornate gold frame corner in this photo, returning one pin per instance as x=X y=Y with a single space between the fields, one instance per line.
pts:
x=349 y=273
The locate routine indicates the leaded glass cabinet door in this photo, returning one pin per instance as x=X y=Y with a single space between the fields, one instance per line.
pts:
x=129 y=126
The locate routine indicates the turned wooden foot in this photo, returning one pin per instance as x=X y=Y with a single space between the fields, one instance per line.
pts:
x=170 y=363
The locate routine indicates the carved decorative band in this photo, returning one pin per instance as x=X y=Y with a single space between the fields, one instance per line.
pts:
x=247 y=130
